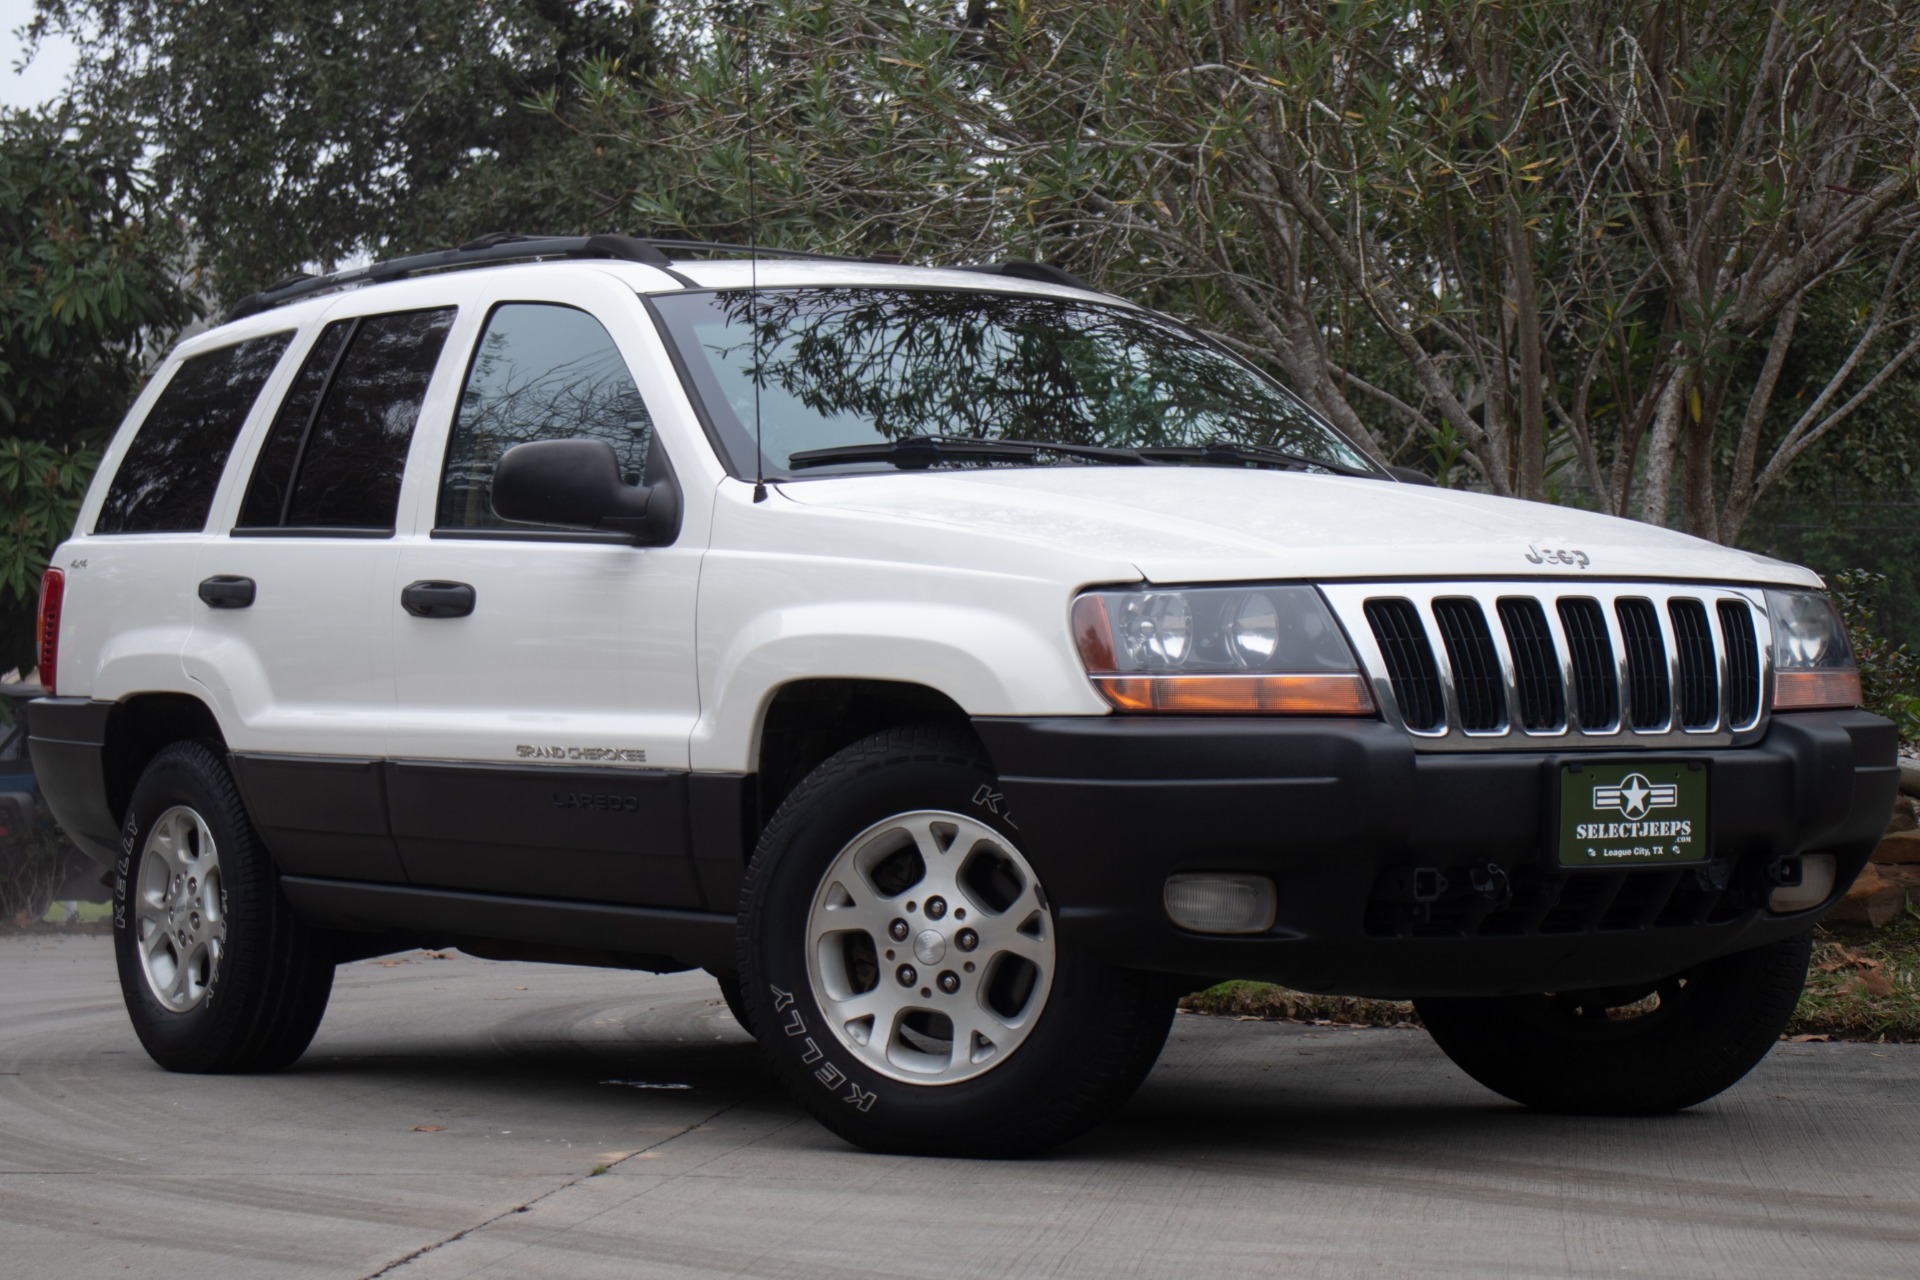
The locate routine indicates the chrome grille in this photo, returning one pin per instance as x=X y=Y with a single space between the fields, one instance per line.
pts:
x=1573 y=665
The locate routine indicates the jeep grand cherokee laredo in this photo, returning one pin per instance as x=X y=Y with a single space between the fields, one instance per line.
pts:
x=952 y=662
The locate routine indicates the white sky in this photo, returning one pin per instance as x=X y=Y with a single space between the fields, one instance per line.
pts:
x=45 y=76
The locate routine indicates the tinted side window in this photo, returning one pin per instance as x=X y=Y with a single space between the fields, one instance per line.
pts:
x=348 y=475
x=540 y=372
x=166 y=480
x=266 y=502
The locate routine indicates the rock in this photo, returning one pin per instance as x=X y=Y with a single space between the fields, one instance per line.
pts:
x=1872 y=901
x=1901 y=847
x=1906 y=814
x=1906 y=875
x=1909 y=776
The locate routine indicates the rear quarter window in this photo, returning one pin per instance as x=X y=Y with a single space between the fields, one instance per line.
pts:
x=165 y=482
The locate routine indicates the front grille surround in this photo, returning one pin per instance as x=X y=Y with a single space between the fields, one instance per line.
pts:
x=1628 y=676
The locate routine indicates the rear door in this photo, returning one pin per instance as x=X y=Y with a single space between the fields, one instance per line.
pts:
x=292 y=637
x=131 y=601
x=545 y=682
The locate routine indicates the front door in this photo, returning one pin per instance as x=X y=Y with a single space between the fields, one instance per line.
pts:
x=545 y=683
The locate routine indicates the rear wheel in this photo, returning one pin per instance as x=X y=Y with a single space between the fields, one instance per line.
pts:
x=905 y=974
x=1633 y=1050
x=217 y=972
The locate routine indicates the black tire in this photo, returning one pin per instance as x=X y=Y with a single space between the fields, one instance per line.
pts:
x=1097 y=1032
x=1629 y=1051
x=261 y=1002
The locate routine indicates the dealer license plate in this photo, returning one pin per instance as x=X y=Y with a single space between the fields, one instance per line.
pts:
x=1633 y=814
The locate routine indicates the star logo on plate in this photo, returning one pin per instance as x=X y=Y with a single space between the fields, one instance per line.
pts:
x=1635 y=797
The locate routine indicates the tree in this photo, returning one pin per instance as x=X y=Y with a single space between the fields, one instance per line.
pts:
x=1570 y=242
x=87 y=294
x=293 y=133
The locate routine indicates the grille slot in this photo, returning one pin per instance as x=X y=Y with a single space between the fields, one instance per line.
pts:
x=1743 y=662
x=1536 y=667
x=1410 y=665
x=1699 y=676
x=1596 y=682
x=1563 y=663
x=1649 y=700
x=1477 y=687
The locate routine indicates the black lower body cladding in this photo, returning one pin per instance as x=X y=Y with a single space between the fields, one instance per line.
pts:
x=1339 y=813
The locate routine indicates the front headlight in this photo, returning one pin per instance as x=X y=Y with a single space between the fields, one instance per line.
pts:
x=1812 y=662
x=1233 y=650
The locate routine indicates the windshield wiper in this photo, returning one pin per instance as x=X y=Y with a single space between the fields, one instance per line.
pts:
x=916 y=453
x=1235 y=453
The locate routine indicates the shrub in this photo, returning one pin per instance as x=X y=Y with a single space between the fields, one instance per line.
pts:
x=1889 y=673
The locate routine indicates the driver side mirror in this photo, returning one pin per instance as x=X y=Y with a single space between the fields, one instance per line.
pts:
x=578 y=482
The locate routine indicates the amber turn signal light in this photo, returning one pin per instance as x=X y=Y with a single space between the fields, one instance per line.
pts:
x=1805 y=690
x=1324 y=695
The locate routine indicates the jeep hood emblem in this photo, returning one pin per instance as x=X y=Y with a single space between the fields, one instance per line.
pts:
x=1559 y=555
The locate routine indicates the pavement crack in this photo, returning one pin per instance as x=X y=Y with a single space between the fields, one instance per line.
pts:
x=464 y=1232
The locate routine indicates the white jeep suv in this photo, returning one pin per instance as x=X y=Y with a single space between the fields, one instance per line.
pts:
x=956 y=663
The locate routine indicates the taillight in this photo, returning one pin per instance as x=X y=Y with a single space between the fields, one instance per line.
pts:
x=53 y=590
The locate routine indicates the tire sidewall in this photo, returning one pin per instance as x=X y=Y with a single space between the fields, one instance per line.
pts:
x=179 y=777
x=874 y=1109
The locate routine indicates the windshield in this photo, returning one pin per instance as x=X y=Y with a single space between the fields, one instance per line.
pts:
x=862 y=367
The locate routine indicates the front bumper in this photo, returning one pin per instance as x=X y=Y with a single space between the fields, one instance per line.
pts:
x=1338 y=813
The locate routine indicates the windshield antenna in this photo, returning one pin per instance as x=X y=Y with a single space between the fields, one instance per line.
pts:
x=753 y=273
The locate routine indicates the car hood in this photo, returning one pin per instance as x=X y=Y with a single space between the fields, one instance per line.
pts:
x=1197 y=524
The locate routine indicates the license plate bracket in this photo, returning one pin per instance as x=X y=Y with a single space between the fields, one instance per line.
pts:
x=1632 y=813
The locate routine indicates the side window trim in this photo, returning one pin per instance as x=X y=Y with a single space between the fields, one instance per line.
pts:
x=313 y=416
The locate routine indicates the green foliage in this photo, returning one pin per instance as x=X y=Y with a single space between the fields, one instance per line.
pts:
x=1889 y=672
x=1553 y=242
x=86 y=279
x=296 y=133
x=40 y=492
x=88 y=292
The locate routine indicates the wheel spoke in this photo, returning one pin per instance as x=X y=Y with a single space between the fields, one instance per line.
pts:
x=850 y=903
x=877 y=1008
x=933 y=851
x=1034 y=948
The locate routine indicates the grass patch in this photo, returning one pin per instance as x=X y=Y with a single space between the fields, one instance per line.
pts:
x=1863 y=984
x=1266 y=1002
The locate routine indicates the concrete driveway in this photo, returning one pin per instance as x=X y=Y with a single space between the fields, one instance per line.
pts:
x=450 y=1117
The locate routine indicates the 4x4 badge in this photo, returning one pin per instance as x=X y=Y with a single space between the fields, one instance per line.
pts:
x=1636 y=797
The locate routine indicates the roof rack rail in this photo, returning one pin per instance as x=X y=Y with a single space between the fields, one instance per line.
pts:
x=1044 y=272
x=489 y=249
x=496 y=248
x=507 y=247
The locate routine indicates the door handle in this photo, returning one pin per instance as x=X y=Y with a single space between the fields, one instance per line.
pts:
x=437 y=599
x=226 y=591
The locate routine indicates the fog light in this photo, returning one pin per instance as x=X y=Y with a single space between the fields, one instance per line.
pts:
x=1816 y=882
x=1220 y=903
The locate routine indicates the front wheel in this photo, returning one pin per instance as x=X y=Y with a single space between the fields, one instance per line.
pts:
x=1635 y=1050
x=217 y=972
x=905 y=973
